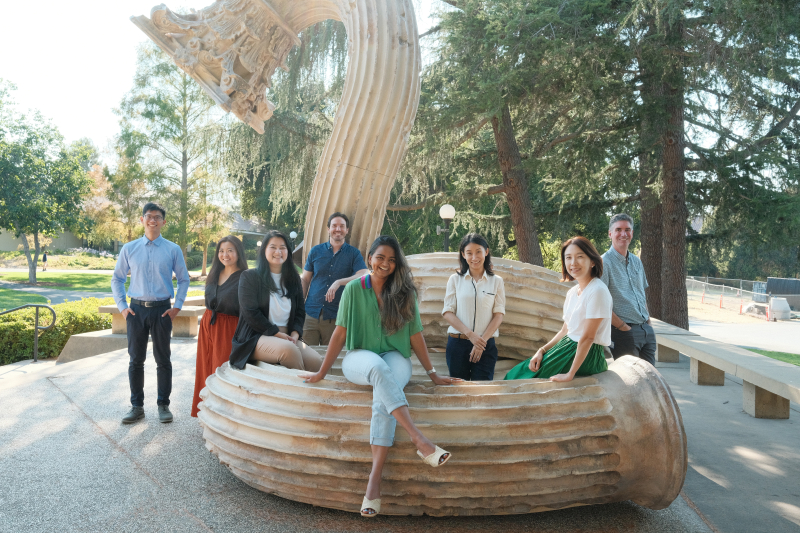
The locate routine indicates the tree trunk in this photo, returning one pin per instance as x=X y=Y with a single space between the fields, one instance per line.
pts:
x=650 y=163
x=32 y=261
x=205 y=259
x=673 y=196
x=183 y=236
x=517 y=190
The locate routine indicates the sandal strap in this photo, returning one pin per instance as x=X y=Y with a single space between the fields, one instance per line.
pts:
x=433 y=459
x=375 y=504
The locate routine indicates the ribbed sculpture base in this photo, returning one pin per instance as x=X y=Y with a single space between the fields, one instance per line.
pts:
x=518 y=446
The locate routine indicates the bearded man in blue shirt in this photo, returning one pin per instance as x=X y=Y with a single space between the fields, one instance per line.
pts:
x=329 y=267
x=151 y=261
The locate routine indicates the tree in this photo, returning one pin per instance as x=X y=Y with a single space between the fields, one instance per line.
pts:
x=167 y=116
x=128 y=191
x=42 y=183
x=211 y=223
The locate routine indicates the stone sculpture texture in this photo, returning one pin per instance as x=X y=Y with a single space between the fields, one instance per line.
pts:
x=233 y=47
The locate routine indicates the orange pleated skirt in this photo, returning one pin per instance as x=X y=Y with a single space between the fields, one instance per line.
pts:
x=213 y=349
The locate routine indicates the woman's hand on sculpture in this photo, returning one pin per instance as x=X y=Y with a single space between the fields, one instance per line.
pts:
x=436 y=378
x=476 y=340
x=311 y=377
x=475 y=354
x=295 y=336
x=285 y=337
x=562 y=377
x=536 y=361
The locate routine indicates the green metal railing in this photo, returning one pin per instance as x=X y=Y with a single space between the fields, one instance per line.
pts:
x=37 y=327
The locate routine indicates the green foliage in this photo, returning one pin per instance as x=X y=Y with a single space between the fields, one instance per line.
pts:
x=274 y=172
x=16 y=329
x=42 y=182
x=10 y=298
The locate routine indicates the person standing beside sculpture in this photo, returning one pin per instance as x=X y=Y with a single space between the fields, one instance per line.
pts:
x=577 y=349
x=222 y=312
x=475 y=301
x=271 y=311
x=623 y=274
x=151 y=261
x=329 y=267
x=379 y=324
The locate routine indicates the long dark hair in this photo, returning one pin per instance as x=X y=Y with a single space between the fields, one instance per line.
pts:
x=399 y=294
x=216 y=265
x=290 y=279
x=591 y=252
x=474 y=238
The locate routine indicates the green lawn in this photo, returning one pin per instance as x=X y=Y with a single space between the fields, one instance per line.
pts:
x=780 y=356
x=72 y=282
x=9 y=298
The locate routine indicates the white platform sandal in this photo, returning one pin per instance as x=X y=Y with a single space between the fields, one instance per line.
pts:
x=375 y=505
x=434 y=458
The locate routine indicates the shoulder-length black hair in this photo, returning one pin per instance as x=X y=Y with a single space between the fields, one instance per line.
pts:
x=290 y=279
x=216 y=265
x=591 y=252
x=474 y=238
x=399 y=294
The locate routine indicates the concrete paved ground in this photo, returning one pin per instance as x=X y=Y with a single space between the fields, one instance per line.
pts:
x=67 y=464
x=776 y=336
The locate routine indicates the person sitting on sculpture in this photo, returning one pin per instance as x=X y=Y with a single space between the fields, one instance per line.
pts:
x=221 y=317
x=577 y=349
x=272 y=312
x=474 y=306
x=329 y=267
x=379 y=324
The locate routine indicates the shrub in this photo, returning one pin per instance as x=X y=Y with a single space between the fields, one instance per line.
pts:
x=16 y=329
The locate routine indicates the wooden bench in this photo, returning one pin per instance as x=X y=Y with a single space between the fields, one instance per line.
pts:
x=768 y=385
x=184 y=325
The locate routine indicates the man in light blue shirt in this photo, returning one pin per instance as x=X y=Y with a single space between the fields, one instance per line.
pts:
x=151 y=261
x=623 y=274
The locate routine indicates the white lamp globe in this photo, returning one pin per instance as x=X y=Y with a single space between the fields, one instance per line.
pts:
x=258 y=243
x=447 y=212
x=293 y=235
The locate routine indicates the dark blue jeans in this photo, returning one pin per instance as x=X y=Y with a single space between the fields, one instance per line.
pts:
x=148 y=322
x=458 y=360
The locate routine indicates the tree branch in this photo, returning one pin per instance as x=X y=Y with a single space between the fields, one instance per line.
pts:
x=440 y=198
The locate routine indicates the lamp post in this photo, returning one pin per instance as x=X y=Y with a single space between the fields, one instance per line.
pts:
x=448 y=213
x=293 y=236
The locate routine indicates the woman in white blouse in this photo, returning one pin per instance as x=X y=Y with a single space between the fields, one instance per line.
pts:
x=577 y=349
x=474 y=306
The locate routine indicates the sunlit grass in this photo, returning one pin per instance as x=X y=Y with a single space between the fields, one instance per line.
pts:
x=9 y=299
x=792 y=358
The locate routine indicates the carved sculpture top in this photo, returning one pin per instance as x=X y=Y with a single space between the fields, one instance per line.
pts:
x=233 y=47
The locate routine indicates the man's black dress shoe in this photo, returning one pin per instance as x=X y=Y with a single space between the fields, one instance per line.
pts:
x=164 y=414
x=136 y=413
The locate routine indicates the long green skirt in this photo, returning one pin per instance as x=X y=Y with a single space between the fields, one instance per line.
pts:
x=558 y=360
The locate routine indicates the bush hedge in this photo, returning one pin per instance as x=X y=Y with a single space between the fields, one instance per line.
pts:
x=16 y=329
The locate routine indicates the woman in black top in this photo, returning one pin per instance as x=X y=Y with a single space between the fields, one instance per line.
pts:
x=222 y=312
x=272 y=311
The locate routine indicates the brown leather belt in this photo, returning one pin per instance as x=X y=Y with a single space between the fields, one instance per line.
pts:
x=458 y=336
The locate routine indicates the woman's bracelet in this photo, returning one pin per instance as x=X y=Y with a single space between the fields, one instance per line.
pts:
x=431 y=371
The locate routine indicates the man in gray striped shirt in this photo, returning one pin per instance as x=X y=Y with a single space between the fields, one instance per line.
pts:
x=623 y=274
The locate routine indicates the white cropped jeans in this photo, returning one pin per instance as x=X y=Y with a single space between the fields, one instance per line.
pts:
x=387 y=373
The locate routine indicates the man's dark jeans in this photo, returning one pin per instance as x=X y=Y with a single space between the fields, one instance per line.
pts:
x=639 y=341
x=458 y=360
x=148 y=322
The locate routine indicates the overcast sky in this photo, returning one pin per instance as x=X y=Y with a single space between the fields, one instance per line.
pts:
x=74 y=61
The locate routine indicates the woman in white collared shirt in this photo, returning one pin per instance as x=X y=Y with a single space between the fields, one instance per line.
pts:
x=474 y=306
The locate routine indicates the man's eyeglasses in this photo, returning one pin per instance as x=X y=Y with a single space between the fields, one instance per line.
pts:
x=157 y=218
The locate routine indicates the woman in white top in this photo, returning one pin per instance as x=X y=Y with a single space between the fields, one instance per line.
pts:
x=576 y=350
x=474 y=306
x=272 y=312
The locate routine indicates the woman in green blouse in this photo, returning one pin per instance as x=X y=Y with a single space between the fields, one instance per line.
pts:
x=379 y=324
